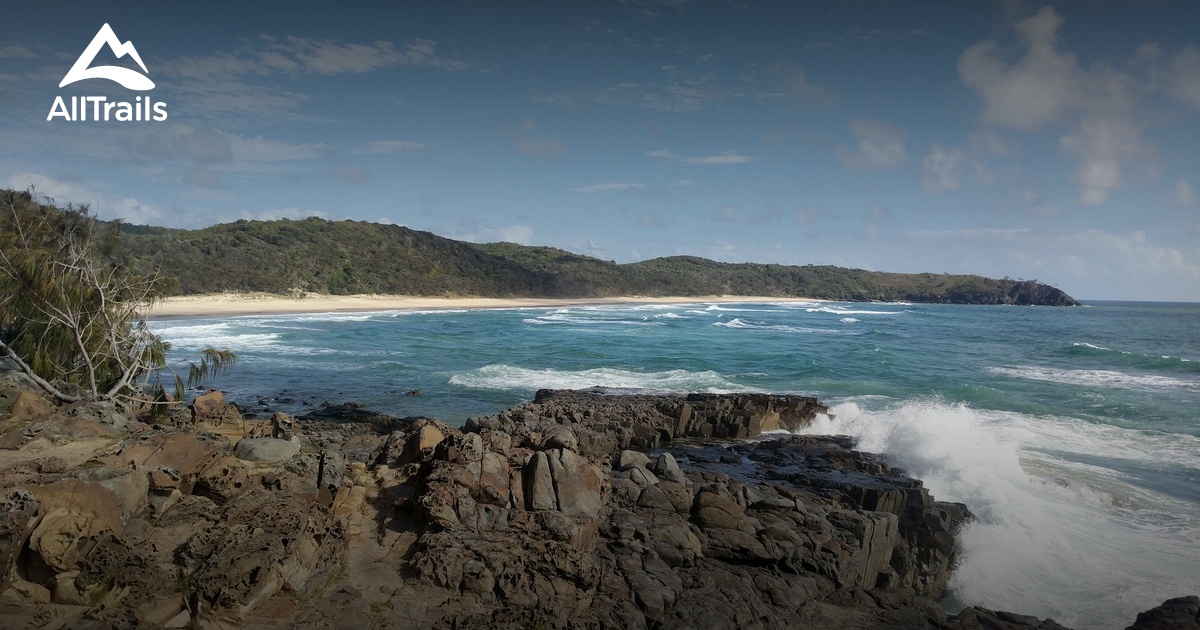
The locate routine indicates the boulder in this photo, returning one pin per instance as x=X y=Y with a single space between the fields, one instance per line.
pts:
x=1180 y=613
x=28 y=407
x=538 y=483
x=576 y=484
x=72 y=512
x=207 y=405
x=266 y=450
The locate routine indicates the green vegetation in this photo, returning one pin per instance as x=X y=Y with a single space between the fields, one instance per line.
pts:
x=73 y=320
x=347 y=257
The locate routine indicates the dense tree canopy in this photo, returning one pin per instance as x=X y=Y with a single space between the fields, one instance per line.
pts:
x=69 y=317
x=345 y=257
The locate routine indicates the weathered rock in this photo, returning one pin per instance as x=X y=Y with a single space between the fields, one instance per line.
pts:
x=421 y=443
x=18 y=512
x=668 y=469
x=207 y=405
x=28 y=407
x=71 y=513
x=539 y=485
x=282 y=425
x=628 y=459
x=222 y=480
x=331 y=472
x=266 y=450
x=576 y=484
x=263 y=543
x=544 y=515
x=1180 y=613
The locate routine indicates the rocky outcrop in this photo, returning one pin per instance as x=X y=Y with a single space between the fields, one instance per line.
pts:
x=575 y=510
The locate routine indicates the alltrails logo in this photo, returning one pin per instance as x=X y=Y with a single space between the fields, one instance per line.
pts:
x=100 y=108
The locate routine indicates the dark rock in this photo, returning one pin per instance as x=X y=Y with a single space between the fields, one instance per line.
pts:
x=1180 y=613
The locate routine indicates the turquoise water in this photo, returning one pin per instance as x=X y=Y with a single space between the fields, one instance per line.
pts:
x=1073 y=434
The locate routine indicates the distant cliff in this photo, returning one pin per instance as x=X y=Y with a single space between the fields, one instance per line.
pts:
x=346 y=257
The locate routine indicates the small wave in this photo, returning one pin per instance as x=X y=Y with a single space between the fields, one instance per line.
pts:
x=849 y=320
x=738 y=323
x=671 y=316
x=235 y=342
x=717 y=307
x=577 y=320
x=167 y=327
x=837 y=310
x=1095 y=378
x=512 y=378
x=1136 y=360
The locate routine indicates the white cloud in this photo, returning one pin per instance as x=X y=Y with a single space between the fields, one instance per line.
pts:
x=730 y=213
x=274 y=214
x=610 y=186
x=15 y=51
x=128 y=209
x=1185 y=77
x=1031 y=93
x=296 y=55
x=389 y=146
x=216 y=84
x=260 y=149
x=989 y=142
x=940 y=168
x=1090 y=263
x=1100 y=104
x=330 y=57
x=727 y=157
x=1184 y=194
x=880 y=145
x=1102 y=147
x=527 y=144
x=793 y=84
x=519 y=234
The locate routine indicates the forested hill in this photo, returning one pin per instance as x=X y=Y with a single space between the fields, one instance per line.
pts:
x=346 y=257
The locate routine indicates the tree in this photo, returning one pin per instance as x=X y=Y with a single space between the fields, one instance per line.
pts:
x=75 y=323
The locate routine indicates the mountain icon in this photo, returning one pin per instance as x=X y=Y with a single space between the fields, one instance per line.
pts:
x=130 y=79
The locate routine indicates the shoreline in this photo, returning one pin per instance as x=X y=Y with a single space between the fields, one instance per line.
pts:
x=234 y=304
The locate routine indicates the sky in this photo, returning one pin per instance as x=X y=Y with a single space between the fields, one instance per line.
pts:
x=1057 y=142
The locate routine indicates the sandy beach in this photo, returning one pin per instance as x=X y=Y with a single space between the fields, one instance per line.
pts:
x=266 y=303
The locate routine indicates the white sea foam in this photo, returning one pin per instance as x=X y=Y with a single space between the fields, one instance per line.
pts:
x=726 y=309
x=1088 y=345
x=1053 y=538
x=849 y=320
x=837 y=310
x=195 y=340
x=1096 y=378
x=561 y=317
x=738 y=323
x=512 y=378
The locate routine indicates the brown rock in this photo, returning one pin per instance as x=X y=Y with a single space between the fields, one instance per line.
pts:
x=421 y=443
x=18 y=513
x=207 y=405
x=28 y=407
x=576 y=483
x=493 y=479
x=539 y=485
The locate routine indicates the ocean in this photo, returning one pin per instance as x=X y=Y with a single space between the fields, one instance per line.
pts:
x=1073 y=434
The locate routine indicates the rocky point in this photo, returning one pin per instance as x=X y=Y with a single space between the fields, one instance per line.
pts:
x=578 y=509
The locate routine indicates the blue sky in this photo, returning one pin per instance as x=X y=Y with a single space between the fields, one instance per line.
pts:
x=1057 y=142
